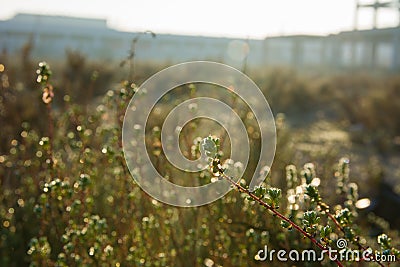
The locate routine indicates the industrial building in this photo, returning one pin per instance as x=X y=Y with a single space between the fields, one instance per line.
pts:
x=52 y=35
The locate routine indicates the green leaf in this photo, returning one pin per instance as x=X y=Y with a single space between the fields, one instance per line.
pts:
x=210 y=146
x=326 y=231
x=384 y=241
x=273 y=196
x=344 y=217
x=313 y=193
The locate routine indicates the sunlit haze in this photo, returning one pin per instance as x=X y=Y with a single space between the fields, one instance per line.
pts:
x=251 y=18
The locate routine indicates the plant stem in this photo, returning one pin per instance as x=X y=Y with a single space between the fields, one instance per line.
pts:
x=50 y=129
x=360 y=246
x=277 y=213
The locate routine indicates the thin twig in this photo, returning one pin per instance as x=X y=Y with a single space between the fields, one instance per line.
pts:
x=277 y=213
x=360 y=246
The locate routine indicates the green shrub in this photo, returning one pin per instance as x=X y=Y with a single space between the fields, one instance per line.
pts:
x=68 y=198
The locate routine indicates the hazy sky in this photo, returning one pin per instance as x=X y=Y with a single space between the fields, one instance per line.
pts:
x=249 y=18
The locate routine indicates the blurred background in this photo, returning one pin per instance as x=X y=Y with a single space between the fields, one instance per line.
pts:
x=300 y=35
x=330 y=71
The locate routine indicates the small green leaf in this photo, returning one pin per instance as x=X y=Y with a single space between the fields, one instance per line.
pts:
x=273 y=196
x=326 y=231
x=210 y=146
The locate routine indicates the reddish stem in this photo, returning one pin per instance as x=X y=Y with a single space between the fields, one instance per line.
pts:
x=361 y=247
x=278 y=214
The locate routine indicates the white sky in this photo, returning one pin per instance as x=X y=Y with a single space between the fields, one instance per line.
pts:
x=249 y=18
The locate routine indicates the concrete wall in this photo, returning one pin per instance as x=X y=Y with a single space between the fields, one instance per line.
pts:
x=51 y=35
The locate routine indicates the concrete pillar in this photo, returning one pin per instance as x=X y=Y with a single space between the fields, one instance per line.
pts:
x=297 y=53
x=395 y=50
x=374 y=46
